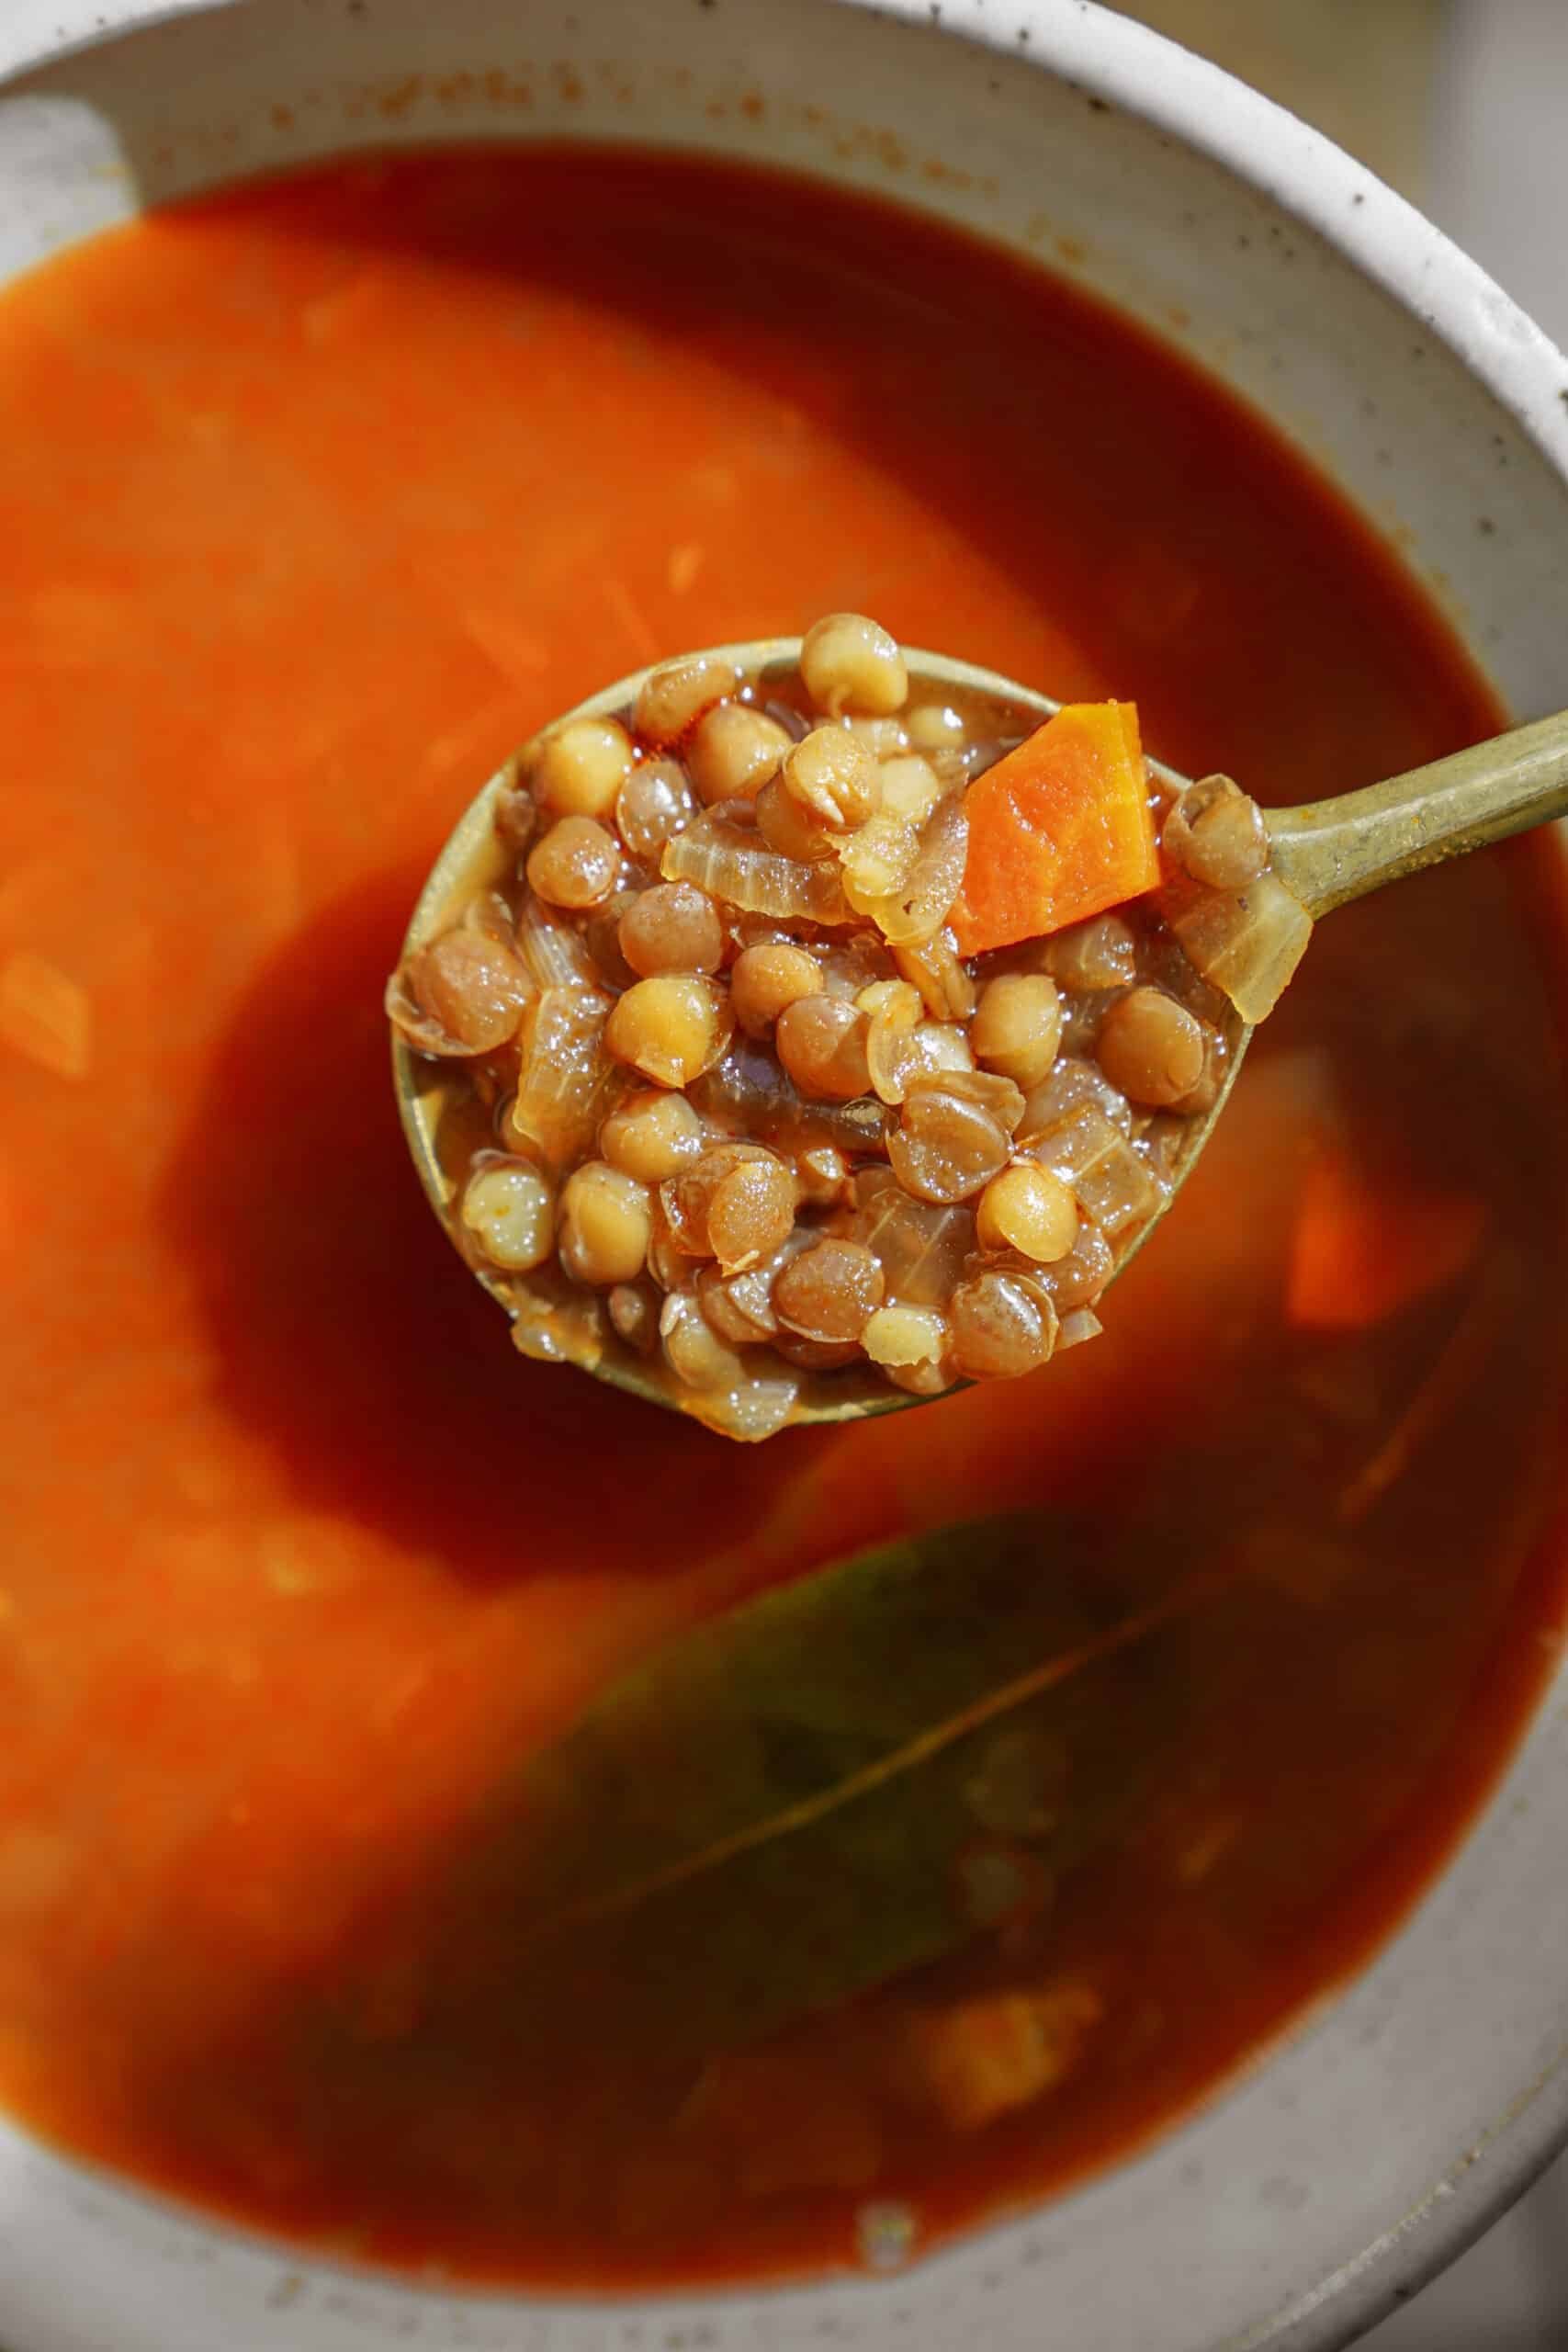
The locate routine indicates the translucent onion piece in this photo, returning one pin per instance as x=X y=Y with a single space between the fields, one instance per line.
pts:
x=417 y=1027
x=921 y=1247
x=566 y=1077
x=761 y=1404
x=1078 y=1279
x=1081 y=1325
x=747 y=1092
x=877 y=860
x=1071 y=1083
x=923 y=902
x=488 y=913
x=1245 y=942
x=933 y=966
x=555 y=951
x=732 y=863
x=1106 y=1176
x=1001 y=1098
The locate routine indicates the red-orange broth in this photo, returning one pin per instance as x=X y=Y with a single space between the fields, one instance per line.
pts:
x=316 y=499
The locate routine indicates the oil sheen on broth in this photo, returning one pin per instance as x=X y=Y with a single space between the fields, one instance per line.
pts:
x=317 y=499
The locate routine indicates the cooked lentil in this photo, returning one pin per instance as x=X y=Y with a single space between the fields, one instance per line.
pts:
x=758 y=1118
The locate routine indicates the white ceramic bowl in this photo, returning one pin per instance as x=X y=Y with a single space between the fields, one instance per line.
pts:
x=1310 y=2196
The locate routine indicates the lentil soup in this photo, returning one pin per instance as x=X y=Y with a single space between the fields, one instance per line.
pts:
x=317 y=499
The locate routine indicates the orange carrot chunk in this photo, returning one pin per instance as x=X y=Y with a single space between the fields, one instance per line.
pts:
x=1058 y=830
x=1361 y=1253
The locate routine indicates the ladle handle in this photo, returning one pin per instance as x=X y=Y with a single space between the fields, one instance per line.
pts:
x=1335 y=850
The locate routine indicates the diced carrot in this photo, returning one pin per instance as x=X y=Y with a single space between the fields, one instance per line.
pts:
x=1361 y=1252
x=1058 y=830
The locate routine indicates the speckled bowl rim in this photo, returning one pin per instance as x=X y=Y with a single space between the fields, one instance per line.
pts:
x=1124 y=65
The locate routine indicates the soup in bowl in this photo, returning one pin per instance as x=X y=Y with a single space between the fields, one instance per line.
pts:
x=460 y=1824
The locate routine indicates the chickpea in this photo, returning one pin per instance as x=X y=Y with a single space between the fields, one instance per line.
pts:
x=1017 y=1027
x=673 y=927
x=733 y=751
x=831 y=774
x=1030 y=1210
x=821 y=1042
x=762 y=980
x=1151 y=1048
x=828 y=1291
x=606 y=1222
x=670 y=1027
x=671 y=699
x=651 y=1135
x=576 y=864
x=847 y=662
x=900 y=1336
x=654 y=803
x=474 y=988
x=789 y=827
x=580 y=766
x=508 y=1209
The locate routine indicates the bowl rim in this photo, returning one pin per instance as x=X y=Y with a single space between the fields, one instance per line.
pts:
x=1126 y=65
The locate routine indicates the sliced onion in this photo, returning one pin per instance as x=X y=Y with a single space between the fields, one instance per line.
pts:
x=1246 y=942
x=921 y=1247
x=1073 y=1081
x=555 y=951
x=933 y=966
x=748 y=1093
x=1106 y=1177
x=923 y=902
x=732 y=863
x=763 y=1404
x=877 y=860
x=566 y=1078
x=1082 y=1324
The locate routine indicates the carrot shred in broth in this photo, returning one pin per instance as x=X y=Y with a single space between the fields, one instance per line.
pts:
x=302 y=1560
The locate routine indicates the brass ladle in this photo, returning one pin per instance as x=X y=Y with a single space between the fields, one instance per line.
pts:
x=1325 y=852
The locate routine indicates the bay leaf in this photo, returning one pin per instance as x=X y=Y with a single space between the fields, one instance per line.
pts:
x=771 y=1813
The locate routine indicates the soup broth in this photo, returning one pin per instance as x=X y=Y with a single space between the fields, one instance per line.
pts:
x=317 y=498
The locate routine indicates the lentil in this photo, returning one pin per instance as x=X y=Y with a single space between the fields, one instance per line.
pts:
x=847 y=662
x=766 y=980
x=1030 y=1210
x=1151 y=1048
x=821 y=1043
x=508 y=1209
x=675 y=927
x=606 y=1220
x=670 y=1028
x=733 y=751
x=829 y=1292
x=576 y=863
x=580 y=767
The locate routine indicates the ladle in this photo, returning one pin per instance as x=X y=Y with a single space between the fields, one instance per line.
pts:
x=1327 y=853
